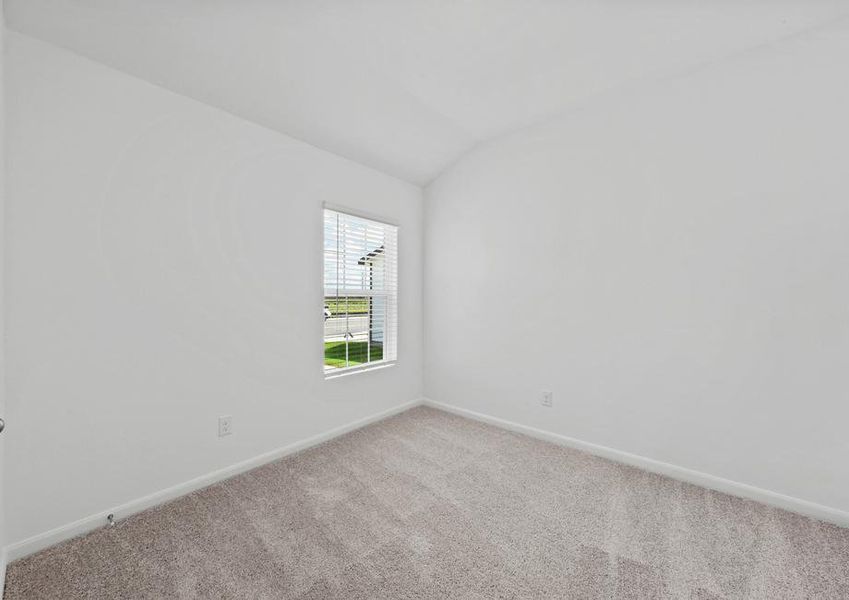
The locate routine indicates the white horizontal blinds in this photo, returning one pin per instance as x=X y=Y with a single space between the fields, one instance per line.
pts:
x=360 y=291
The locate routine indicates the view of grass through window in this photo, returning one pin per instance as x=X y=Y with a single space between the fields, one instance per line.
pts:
x=351 y=306
x=349 y=327
x=358 y=353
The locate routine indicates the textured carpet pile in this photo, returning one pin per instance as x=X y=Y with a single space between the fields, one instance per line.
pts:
x=430 y=505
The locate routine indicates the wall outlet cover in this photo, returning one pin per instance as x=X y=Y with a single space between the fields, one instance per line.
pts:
x=225 y=425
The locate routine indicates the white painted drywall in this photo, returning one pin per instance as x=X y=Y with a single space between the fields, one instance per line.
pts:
x=672 y=263
x=164 y=268
x=2 y=303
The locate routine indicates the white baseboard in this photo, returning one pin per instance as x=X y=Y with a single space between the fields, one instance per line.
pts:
x=71 y=530
x=90 y=523
x=742 y=490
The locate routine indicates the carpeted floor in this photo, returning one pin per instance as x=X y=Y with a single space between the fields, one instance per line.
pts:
x=430 y=505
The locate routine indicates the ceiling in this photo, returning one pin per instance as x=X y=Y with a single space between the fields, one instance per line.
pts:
x=408 y=86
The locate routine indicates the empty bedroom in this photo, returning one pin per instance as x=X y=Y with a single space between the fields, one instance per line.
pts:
x=433 y=299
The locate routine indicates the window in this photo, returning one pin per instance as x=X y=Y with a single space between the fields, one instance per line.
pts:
x=360 y=292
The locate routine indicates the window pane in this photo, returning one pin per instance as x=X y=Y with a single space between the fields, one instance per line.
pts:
x=354 y=330
x=360 y=258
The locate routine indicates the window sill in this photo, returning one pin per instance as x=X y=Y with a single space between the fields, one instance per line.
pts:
x=344 y=372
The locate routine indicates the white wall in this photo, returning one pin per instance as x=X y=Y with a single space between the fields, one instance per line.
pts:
x=164 y=268
x=2 y=301
x=673 y=263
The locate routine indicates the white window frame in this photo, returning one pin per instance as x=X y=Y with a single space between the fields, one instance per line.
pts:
x=394 y=304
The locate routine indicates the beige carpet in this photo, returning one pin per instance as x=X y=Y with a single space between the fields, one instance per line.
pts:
x=430 y=505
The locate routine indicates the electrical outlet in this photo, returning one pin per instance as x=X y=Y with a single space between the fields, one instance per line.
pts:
x=546 y=398
x=225 y=425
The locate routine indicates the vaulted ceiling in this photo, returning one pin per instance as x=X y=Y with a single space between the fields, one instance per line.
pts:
x=408 y=86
